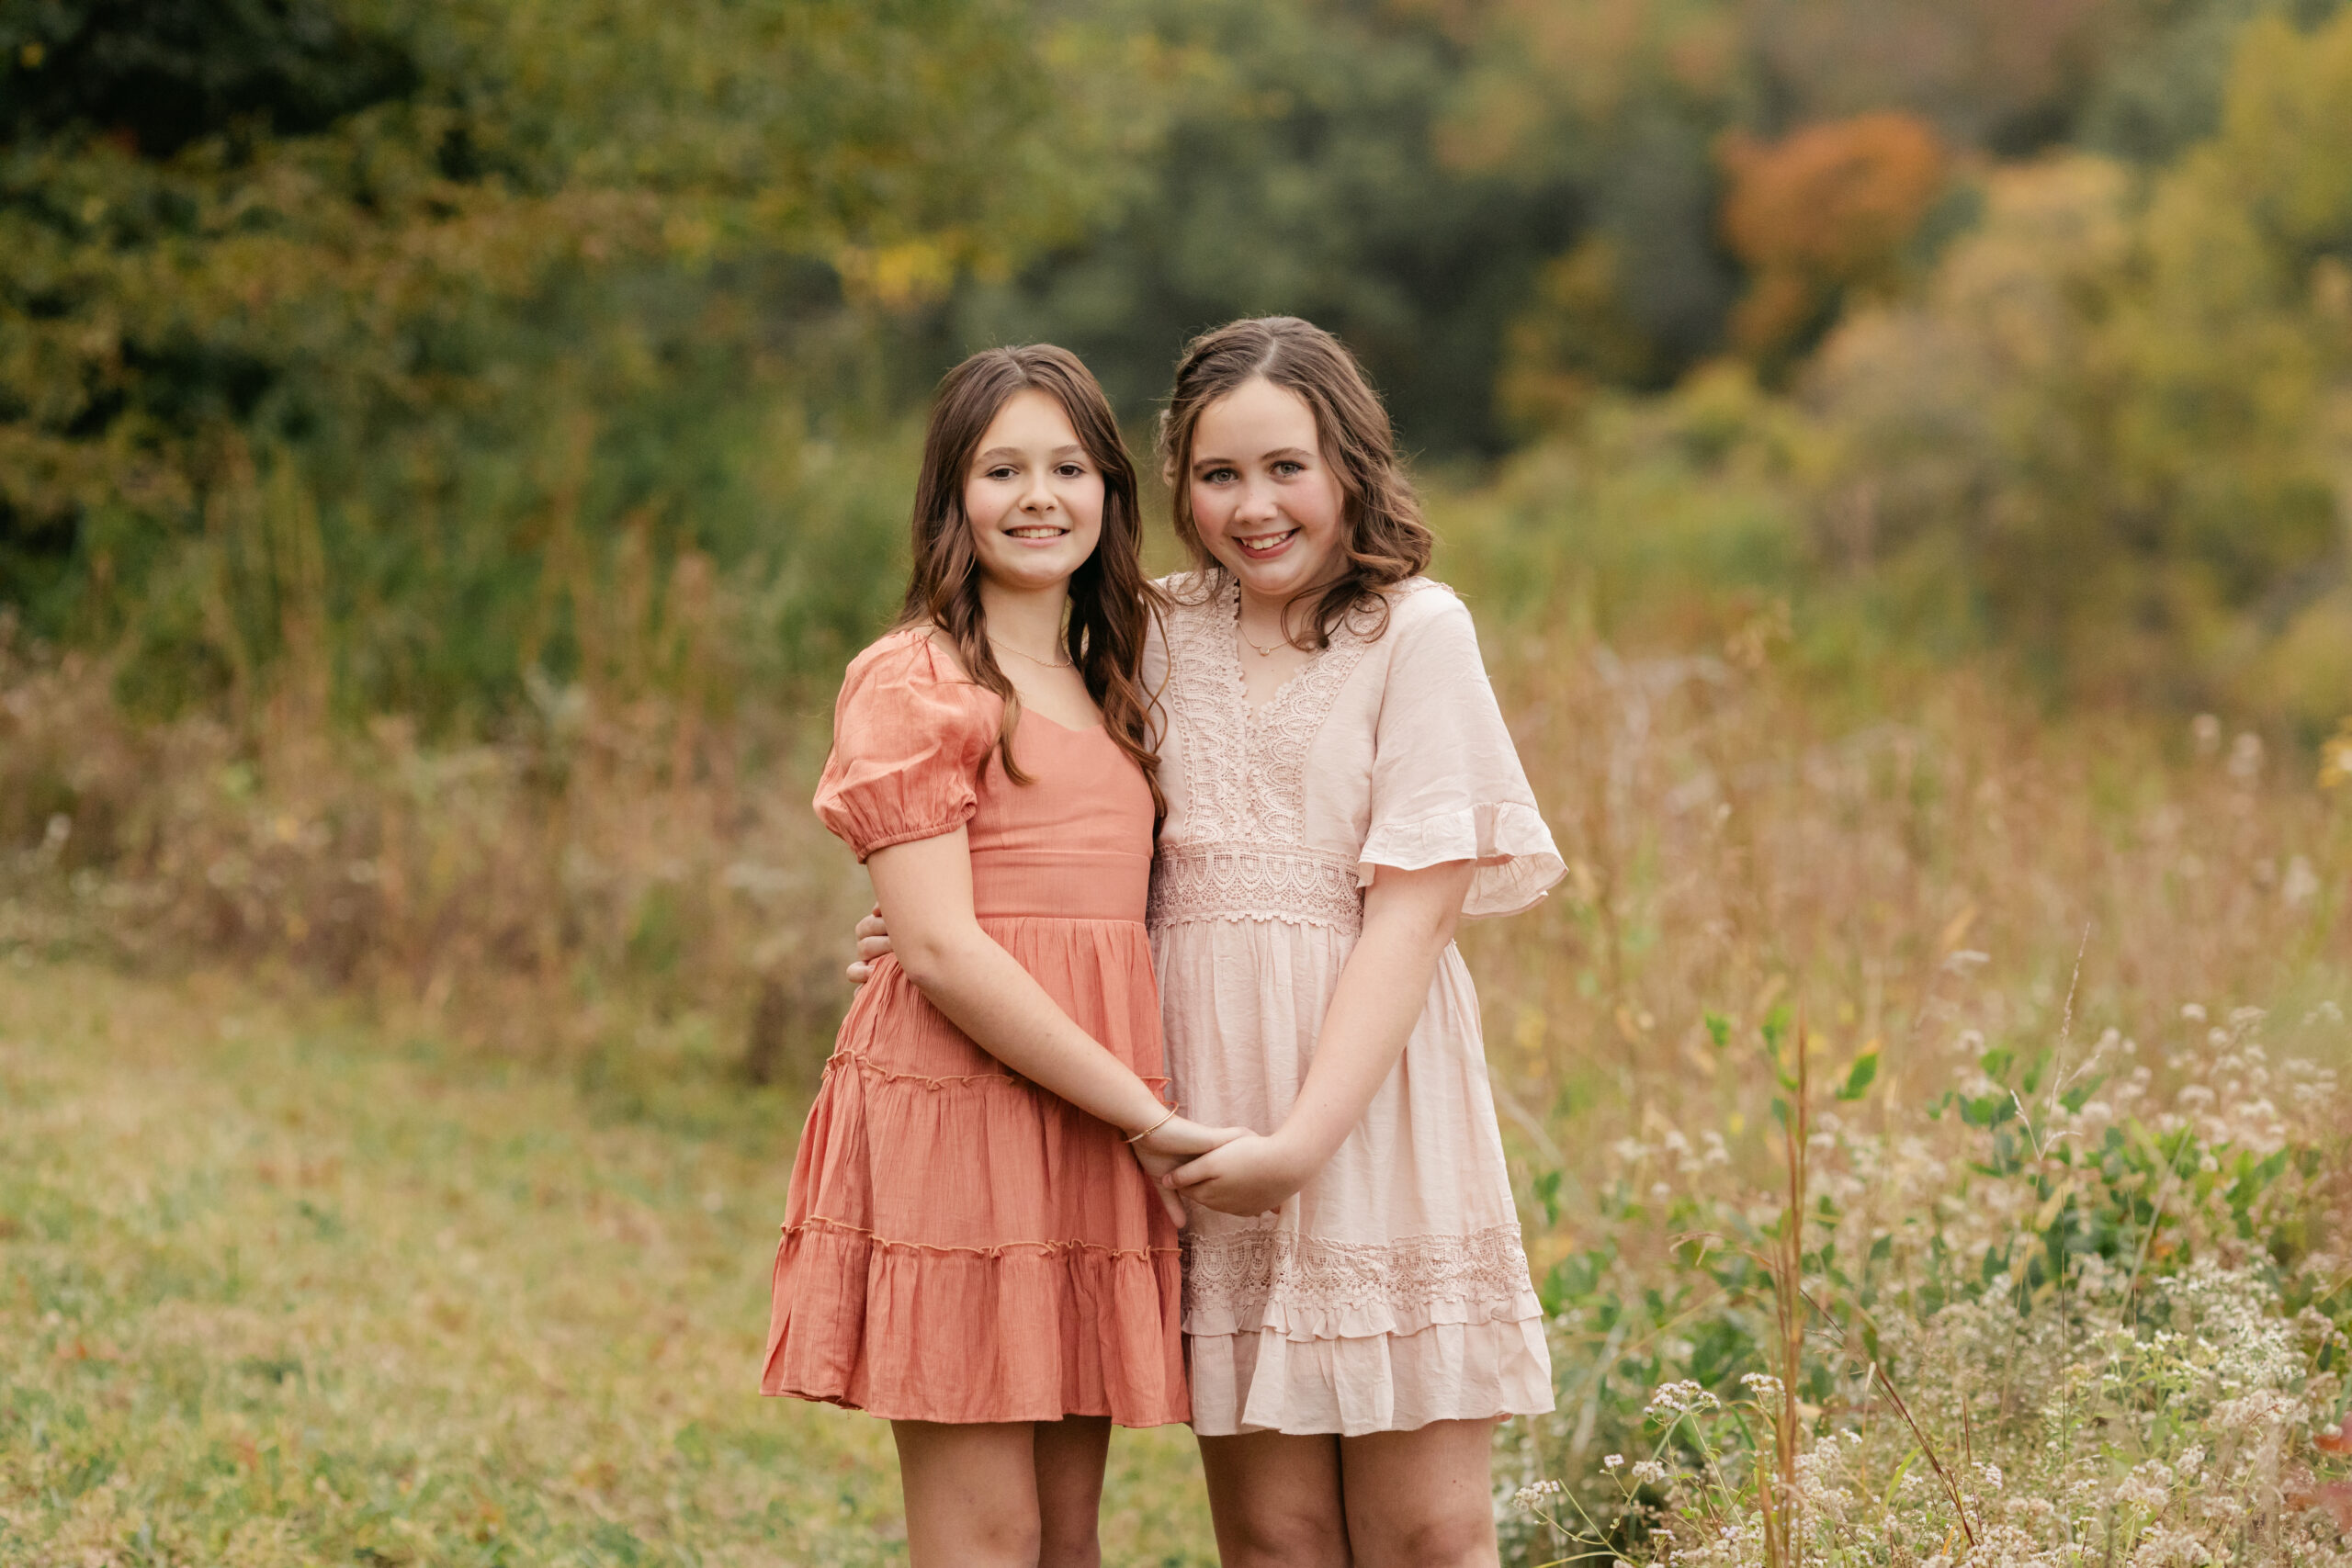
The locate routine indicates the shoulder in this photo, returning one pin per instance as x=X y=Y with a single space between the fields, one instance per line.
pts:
x=910 y=677
x=1422 y=607
x=913 y=656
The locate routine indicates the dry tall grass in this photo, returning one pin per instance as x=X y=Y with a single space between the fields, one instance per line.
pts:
x=612 y=859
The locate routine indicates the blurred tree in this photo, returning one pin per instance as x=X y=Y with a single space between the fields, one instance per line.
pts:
x=1292 y=164
x=1619 y=102
x=2002 y=76
x=1575 y=338
x=1823 y=214
x=491 y=287
x=158 y=75
x=2162 y=74
x=404 y=340
x=2129 y=425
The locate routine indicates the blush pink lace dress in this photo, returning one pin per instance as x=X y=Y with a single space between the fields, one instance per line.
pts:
x=1393 y=1289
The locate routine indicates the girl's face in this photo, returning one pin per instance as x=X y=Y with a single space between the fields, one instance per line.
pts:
x=1269 y=506
x=1033 y=495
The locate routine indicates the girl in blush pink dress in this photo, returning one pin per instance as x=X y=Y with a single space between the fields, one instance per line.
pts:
x=1358 y=1311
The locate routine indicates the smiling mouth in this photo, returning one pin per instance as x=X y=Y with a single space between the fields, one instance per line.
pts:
x=1037 y=532
x=1264 y=545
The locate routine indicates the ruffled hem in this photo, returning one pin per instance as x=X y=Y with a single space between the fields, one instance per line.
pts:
x=1516 y=861
x=1355 y=1319
x=1013 y=1332
x=1448 y=1372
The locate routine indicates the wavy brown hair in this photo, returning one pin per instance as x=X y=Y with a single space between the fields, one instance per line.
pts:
x=1386 y=538
x=1109 y=596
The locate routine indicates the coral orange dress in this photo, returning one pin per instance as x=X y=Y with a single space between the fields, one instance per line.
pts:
x=960 y=1245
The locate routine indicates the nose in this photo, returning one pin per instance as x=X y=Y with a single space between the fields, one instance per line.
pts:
x=1038 y=496
x=1257 y=503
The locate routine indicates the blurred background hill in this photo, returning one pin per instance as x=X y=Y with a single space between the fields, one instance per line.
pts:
x=382 y=347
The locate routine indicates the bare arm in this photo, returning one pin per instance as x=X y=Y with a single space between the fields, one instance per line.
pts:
x=925 y=890
x=1409 y=918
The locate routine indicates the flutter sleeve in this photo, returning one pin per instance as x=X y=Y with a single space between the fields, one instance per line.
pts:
x=1446 y=781
x=910 y=735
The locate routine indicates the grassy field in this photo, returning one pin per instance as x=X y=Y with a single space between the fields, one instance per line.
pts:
x=276 y=1288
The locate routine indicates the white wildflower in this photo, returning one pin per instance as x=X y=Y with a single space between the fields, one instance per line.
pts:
x=1681 y=1398
x=1530 y=1497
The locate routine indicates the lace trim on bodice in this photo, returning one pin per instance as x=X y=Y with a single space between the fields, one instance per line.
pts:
x=1239 y=1272
x=1244 y=882
x=1241 y=852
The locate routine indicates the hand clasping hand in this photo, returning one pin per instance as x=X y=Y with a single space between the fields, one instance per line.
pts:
x=1249 y=1175
x=1169 y=1146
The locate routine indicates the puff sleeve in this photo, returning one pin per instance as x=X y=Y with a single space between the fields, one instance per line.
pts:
x=1446 y=781
x=909 y=737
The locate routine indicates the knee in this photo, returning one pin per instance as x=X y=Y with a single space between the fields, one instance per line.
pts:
x=1288 y=1537
x=1008 y=1536
x=1457 y=1537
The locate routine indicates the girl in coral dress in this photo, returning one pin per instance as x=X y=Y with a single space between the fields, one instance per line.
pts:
x=971 y=1247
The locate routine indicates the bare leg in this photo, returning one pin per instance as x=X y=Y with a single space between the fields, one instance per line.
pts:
x=1276 y=1500
x=1423 y=1498
x=1069 y=1466
x=971 y=1493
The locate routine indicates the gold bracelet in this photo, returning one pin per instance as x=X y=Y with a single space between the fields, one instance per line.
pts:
x=1155 y=1127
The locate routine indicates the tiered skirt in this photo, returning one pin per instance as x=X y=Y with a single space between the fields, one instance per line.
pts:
x=1393 y=1291
x=960 y=1245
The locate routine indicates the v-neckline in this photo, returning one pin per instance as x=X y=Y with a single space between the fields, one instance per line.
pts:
x=1094 y=728
x=1250 y=710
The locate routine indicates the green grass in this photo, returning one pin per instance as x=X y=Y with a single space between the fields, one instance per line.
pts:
x=276 y=1288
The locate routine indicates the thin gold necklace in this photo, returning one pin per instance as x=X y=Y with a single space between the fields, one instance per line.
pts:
x=1244 y=631
x=1048 y=663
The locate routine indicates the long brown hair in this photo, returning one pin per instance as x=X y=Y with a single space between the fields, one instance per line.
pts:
x=1109 y=597
x=1387 y=539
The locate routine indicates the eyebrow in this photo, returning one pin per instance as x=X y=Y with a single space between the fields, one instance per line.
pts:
x=1016 y=452
x=1278 y=452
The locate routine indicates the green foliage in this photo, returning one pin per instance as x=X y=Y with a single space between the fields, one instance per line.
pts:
x=1297 y=164
x=2121 y=419
x=2161 y=91
x=2045 y=1205
x=383 y=330
x=385 y=357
